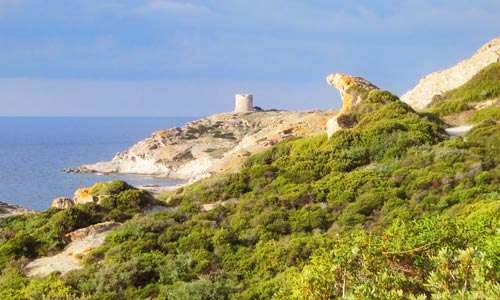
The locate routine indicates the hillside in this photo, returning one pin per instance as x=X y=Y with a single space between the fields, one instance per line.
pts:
x=388 y=207
x=475 y=101
x=440 y=82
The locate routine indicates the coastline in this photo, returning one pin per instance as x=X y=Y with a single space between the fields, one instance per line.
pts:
x=8 y=210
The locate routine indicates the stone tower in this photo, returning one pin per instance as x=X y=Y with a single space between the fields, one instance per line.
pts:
x=243 y=103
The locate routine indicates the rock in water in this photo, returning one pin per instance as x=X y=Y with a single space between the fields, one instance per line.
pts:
x=353 y=91
x=62 y=203
x=440 y=82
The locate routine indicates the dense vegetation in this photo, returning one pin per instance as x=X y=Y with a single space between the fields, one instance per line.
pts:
x=483 y=86
x=39 y=234
x=389 y=208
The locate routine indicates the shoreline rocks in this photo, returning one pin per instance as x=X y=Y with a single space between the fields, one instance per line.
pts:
x=7 y=210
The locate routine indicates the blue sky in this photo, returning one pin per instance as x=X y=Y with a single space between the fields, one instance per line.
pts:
x=170 y=58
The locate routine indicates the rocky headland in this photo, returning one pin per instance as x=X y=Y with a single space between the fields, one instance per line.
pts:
x=221 y=142
x=217 y=143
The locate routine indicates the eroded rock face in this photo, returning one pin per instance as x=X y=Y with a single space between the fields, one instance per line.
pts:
x=353 y=91
x=440 y=82
x=210 y=145
x=62 y=203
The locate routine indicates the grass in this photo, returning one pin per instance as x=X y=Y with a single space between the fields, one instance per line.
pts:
x=489 y=113
x=483 y=86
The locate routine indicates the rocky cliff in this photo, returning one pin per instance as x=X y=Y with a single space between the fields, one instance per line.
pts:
x=216 y=143
x=442 y=81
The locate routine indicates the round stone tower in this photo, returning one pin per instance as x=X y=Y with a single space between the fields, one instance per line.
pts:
x=243 y=103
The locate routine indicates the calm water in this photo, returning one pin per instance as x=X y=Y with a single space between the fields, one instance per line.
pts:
x=33 y=151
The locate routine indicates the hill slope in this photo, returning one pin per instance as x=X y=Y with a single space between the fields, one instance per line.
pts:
x=391 y=208
x=475 y=101
x=440 y=82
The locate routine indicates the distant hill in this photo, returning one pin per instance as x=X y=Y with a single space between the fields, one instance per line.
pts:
x=438 y=83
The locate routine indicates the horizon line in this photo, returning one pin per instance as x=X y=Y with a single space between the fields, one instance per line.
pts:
x=107 y=117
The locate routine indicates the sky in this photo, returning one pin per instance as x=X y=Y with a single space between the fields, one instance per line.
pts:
x=189 y=58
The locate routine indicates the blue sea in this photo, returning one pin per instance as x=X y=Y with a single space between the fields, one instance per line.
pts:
x=34 y=151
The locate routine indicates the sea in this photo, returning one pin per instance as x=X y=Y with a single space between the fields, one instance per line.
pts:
x=35 y=150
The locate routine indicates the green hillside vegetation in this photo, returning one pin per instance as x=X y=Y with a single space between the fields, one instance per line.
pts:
x=391 y=208
x=489 y=113
x=483 y=86
x=39 y=234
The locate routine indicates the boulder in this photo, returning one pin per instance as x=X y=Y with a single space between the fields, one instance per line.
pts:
x=353 y=90
x=435 y=84
x=62 y=203
x=92 y=230
x=83 y=196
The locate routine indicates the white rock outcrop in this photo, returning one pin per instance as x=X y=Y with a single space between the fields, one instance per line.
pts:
x=82 y=242
x=207 y=146
x=442 y=81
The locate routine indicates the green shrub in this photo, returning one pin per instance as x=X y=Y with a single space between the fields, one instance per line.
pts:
x=391 y=208
x=490 y=113
x=109 y=188
x=483 y=86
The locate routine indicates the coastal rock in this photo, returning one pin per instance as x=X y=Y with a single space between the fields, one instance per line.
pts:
x=83 y=196
x=62 y=203
x=217 y=143
x=353 y=90
x=7 y=210
x=437 y=83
